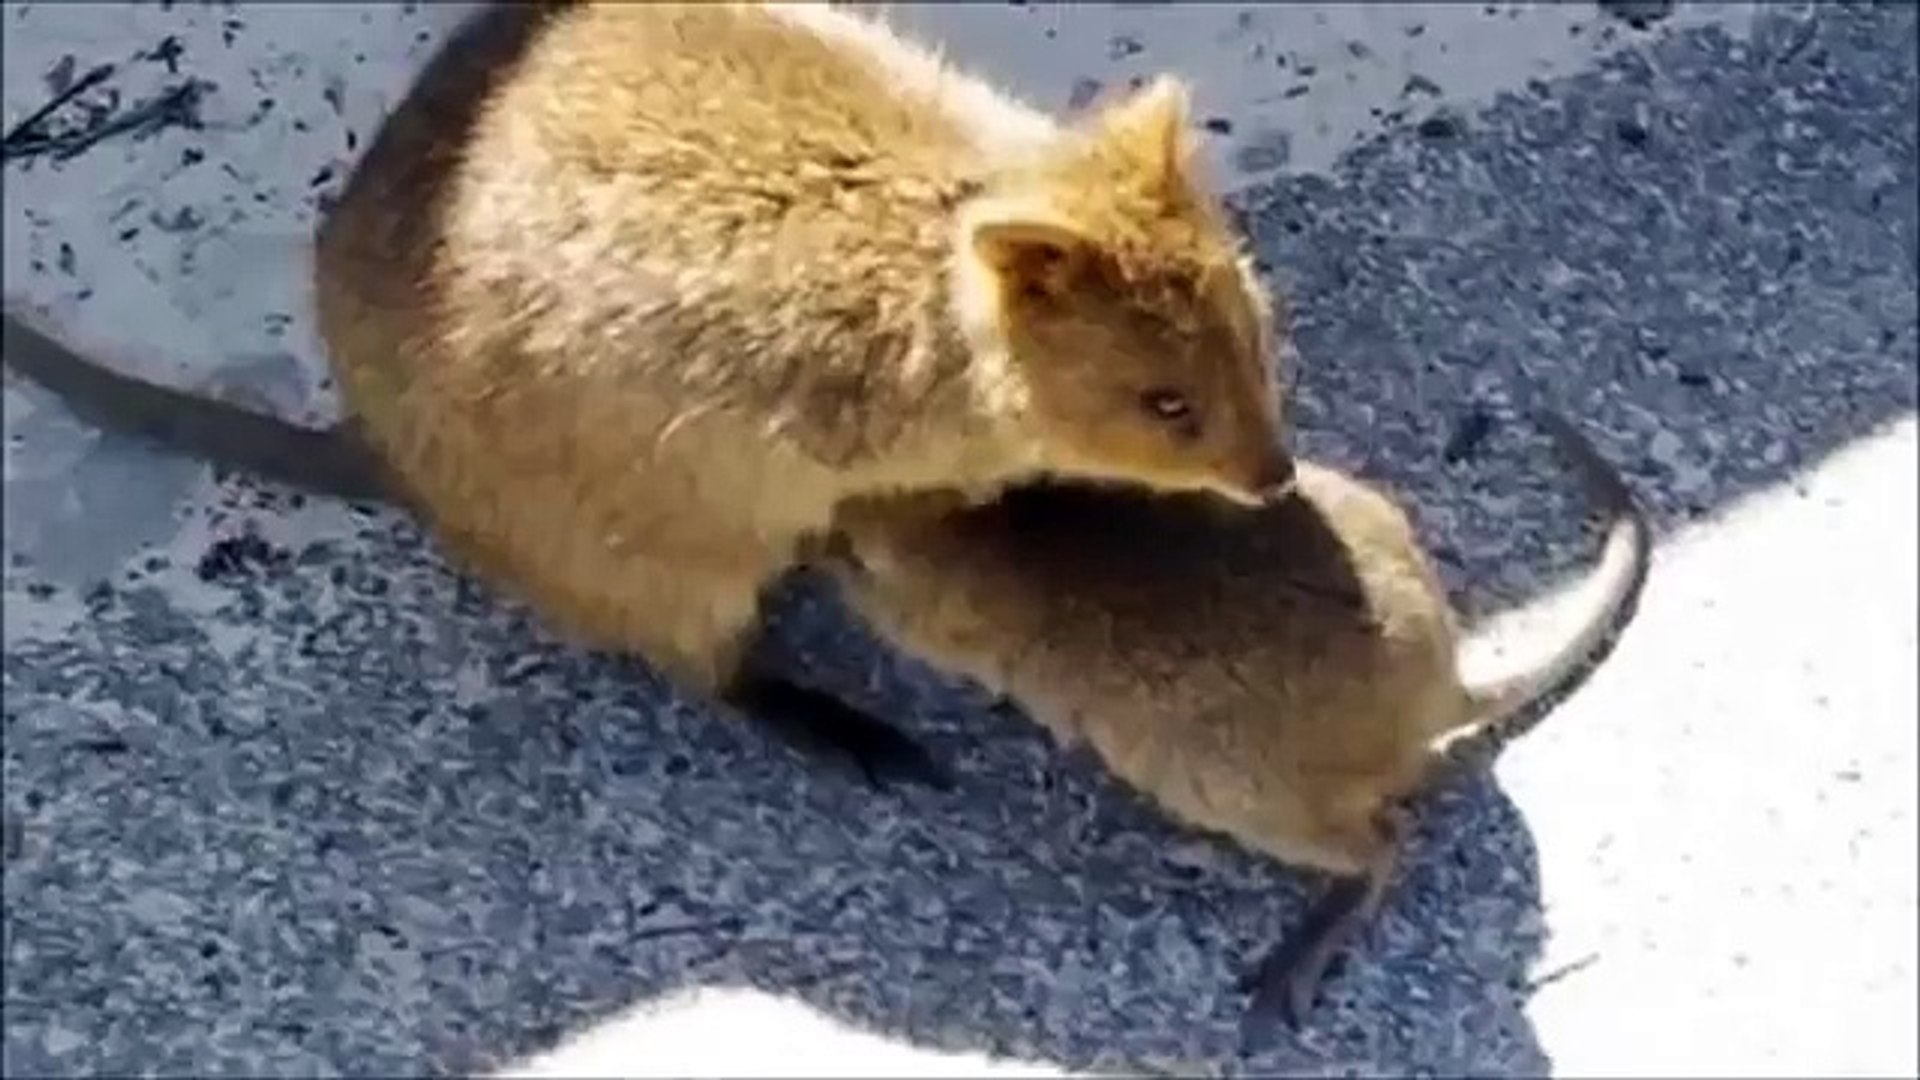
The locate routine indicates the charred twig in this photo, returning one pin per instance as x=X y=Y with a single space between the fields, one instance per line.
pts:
x=177 y=107
x=19 y=133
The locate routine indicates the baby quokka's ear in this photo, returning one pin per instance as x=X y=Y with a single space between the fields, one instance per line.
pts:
x=1033 y=250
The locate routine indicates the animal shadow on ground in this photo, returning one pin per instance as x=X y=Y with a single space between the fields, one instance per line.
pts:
x=351 y=813
x=409 y=831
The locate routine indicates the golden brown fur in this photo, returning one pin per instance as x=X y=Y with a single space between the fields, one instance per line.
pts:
x=629 y=296
x=1282 y=675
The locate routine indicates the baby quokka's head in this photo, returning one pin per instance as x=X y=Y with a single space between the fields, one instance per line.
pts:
x=1113 y=293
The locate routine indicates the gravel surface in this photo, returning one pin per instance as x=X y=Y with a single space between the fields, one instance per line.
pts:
x=284 y=795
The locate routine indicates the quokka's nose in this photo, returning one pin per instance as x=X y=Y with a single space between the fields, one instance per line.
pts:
x=1273 y=481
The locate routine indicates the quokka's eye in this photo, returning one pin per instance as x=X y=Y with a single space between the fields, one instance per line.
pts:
x=1169 y=405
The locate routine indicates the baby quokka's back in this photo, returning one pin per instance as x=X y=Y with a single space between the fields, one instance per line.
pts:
x=629 y=295
x=1248 y=669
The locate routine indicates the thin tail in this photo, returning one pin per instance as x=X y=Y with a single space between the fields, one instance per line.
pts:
x=331 y=462
x=1607 y=594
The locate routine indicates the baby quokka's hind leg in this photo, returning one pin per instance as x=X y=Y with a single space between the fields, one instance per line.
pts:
x=1288 y=979
x=819 y=724
x=697 y=625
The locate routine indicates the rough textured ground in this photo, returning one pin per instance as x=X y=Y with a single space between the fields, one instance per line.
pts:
x=284 y=795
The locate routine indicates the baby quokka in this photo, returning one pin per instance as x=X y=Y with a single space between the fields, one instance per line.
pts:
x=1284 y=675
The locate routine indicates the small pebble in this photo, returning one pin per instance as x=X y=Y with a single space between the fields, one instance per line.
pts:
x=1666 y=448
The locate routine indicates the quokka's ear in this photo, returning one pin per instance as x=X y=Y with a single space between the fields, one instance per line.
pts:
x=1032 y=249
x=1152 y=126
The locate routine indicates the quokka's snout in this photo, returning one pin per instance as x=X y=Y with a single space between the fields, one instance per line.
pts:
x=1264 y=475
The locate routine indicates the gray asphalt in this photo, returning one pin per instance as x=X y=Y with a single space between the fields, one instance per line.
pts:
x=405 y=829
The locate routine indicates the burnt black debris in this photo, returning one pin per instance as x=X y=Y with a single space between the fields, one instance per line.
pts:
x=178 y=106
x=1441 y=125
x=1639 y=14
x=1470 y=430
x=236 y=554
